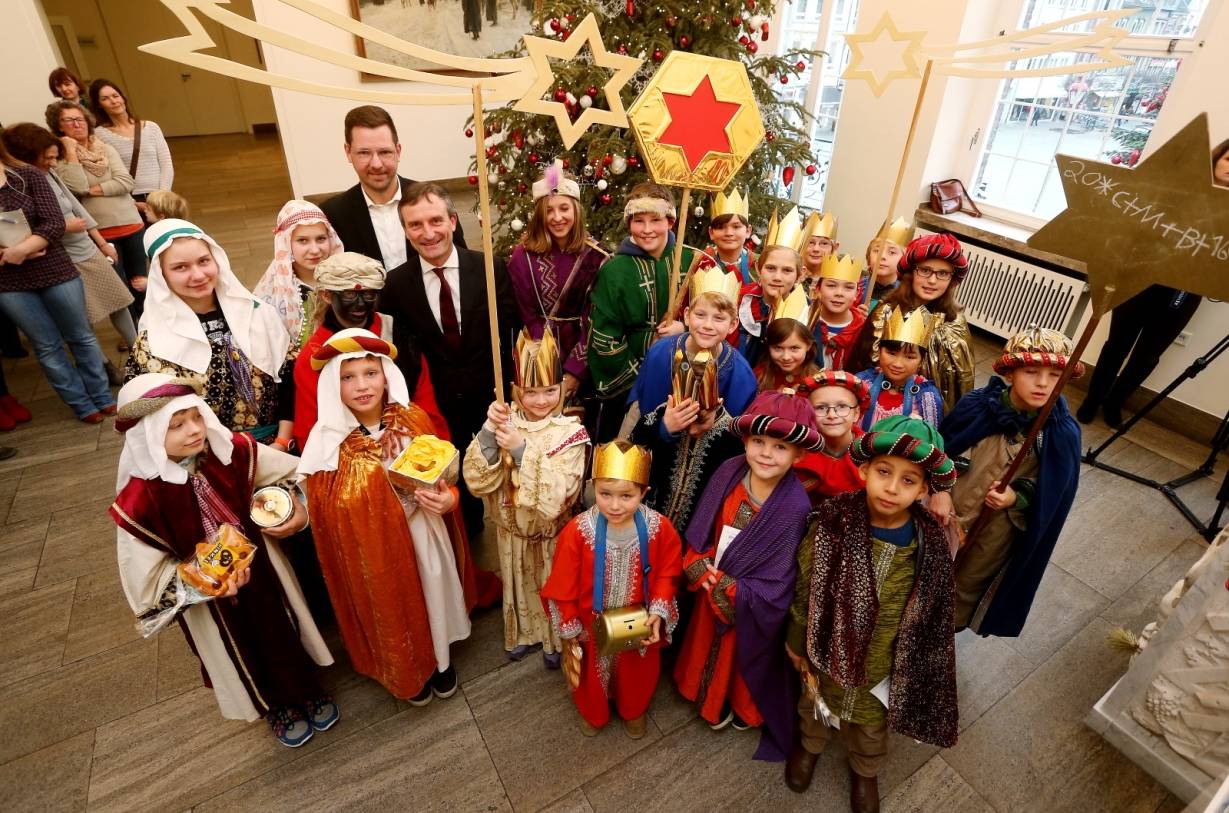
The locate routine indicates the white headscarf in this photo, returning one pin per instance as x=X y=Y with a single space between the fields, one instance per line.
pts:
x=144 y=454
x=334 y=420
x=279 y=286
x=175 y=333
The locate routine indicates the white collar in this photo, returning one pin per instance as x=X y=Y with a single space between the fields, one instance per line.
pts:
x=454 y=261
x=395 y=199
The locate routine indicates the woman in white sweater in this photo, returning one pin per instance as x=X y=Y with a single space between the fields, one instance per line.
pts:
x=118 y=127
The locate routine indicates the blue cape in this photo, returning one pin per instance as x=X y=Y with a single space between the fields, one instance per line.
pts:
x=982 y=413
x=735 y=380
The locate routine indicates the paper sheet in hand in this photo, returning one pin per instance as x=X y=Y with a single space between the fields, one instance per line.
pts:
x=881 y=691
x=13 y=227
x=728 y=533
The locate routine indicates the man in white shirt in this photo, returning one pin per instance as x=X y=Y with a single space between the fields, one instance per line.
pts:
x=365 y=216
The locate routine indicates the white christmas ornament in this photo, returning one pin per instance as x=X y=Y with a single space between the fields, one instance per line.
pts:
x=586 y=101
x=517 y=224
x=618 y=165
x=601 y=184
x=698 y=211
x=493 y=177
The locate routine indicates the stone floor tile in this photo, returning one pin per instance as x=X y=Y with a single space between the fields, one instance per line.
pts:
x=424 y=759
x=101 y=617
x=9 y=481
x=1032 y=751
x=21 y=547
x=35 y=627
x=54 y=778
x=574 y=802
x=670 y=710
x=53 y=435
x=179 y=670
x=1139 y=604
x=1062 y=606
x=529 y=725
x=935 y=786
x=483 y=650
x=59 y=704
x=63 y=484
x=80 y=542
x=986 y=670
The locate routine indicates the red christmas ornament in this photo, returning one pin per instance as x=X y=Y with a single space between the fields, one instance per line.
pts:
x=606 y=198
x=623 y=49
x=473 y=180
x=566 y=163
x=495 y=127
x=571 y=18
x=769 y=135
x=518 y=138
x=1115 y=159
x=736 y=20
x=592 y=91
x=1134 y=157
x=556 y=26
x=491 y=151
x=811 y=169
x=752 y=47
x=520 y=187
x=750 y=5
x=801 y=66
x=599 y=173
x=744 y=39
x=784 y=79
x=787 y=175
x=671 y=21
x=631 y=8
x=684 y=41
x=633 y=161
x=658 y=55
x=607 y=159
x=561 y=95
x=469 y=132
x=533 y=157
x=764 y=33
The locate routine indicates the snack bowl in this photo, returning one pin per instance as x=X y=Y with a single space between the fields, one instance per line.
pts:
x=271 y=506
x=424 y=463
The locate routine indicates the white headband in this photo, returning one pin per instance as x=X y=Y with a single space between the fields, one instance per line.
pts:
x=652 y=206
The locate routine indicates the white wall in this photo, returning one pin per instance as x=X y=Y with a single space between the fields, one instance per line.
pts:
x=28 y=56
x=433 y=143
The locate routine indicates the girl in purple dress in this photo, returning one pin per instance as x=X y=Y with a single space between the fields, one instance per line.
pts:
x=553 y=269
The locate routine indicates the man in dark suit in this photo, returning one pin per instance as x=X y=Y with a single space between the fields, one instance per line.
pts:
x=438 y=301
x=365 y=215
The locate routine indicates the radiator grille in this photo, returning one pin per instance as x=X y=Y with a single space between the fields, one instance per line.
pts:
x=1003 y=294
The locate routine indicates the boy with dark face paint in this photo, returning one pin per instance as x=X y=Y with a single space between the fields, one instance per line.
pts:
x=348 y=285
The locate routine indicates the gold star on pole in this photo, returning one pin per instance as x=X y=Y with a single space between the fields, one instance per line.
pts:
x=1163 y=222
x=542 y=50
x=904 y=64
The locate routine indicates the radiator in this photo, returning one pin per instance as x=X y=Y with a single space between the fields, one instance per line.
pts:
x=1003 y=294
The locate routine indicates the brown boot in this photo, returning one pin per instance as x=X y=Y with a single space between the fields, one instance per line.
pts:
x=636 y=728
x=799 y=768
x=586 y=729
x=863 y=793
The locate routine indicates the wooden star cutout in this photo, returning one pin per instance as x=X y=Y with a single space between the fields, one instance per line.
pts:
x=906 y=66
x=542 y=50
x=1163 y=222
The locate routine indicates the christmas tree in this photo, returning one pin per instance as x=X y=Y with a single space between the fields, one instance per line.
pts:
x=605 y=159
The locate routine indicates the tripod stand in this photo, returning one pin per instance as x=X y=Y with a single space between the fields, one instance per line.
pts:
x=1220 y=441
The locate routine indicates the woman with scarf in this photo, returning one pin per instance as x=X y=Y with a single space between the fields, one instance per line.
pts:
x=302 y=238
x=202 y=324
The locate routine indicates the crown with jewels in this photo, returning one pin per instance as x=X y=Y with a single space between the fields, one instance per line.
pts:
x=537 y=362
x=898 y=232
x=824 y=226
x=844 y=268
x=793 y=305
x=731 y=204
x=913 y=328
x=789 y=232
x=714 y=279
x=609 y=463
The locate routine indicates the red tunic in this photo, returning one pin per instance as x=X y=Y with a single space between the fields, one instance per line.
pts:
x=706 y=671
x=630 y=677
x=824 y=476
x=836 y=346
x=306 y=380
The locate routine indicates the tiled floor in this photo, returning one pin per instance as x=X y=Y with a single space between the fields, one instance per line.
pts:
x=94 y=716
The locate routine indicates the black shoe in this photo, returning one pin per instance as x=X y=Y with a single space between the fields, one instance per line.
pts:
x=1087 y=412
x=1112 y=414
x=739 y=724
x=422 y=698
x=444 y=684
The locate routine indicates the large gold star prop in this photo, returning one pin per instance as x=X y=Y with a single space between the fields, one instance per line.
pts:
x=542 y=50
x=901 y=50
x=1163 y=222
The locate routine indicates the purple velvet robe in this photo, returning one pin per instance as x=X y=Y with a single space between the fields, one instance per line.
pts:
x=538 y=280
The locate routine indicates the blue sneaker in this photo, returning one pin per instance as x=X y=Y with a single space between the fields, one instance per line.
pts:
x=323 y=713
x=290 y=726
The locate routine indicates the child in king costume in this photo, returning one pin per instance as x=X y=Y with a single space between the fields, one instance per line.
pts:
x=742 y=553
x=182 y=475
x=998 y=572
x=838 y=399
x=530 y=493
x=617 y=554
x=871 y=624
x=835 y=319
x=396 y=563
x=896 y=388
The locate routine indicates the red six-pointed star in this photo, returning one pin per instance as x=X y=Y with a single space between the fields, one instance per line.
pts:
x=698 y=122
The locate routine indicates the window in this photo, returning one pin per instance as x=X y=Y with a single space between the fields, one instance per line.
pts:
x=819 y=25
x=1105 y=115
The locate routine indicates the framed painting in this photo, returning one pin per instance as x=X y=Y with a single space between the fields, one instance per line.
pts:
x=470 y=28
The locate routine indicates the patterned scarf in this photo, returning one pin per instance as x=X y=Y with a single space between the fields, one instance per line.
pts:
x=93 y=158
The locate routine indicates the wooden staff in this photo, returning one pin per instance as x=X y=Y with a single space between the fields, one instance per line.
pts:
x=900 y=172
x=983 y=516
x=676 y=289
x=488 y=249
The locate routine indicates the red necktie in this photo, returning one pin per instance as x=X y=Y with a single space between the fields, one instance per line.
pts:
x=448 y=312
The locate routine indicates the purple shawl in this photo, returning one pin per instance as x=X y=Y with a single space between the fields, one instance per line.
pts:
x=763 y=561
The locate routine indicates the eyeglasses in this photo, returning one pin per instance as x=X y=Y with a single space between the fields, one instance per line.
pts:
x=926 y=272
x=349 y=298
x=839 y=410
x=74 y=120
x=365 y=156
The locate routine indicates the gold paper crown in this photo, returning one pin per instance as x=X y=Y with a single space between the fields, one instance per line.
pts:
x=898 y=232
x=794 y=306
x=537 y=362
x=844 y=268
x=715 y=280
x=1034 y=339
x=609 y=463
x=732 y=204
x=824 y=226
x=912 y=329
x=789 y=232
